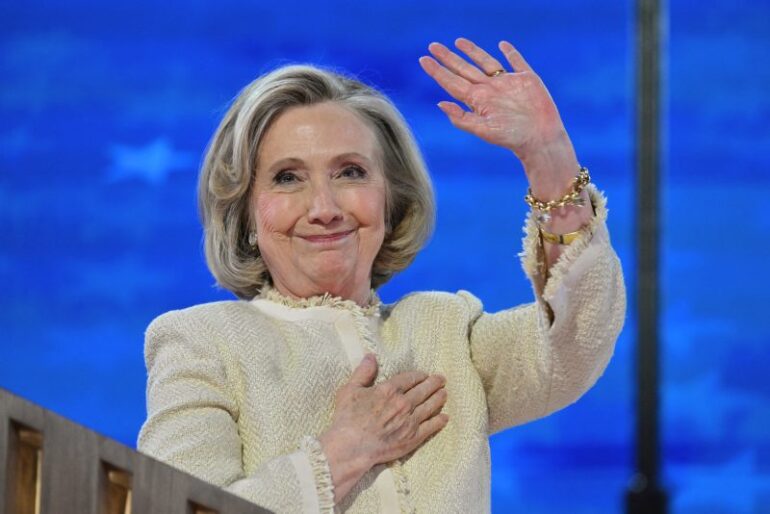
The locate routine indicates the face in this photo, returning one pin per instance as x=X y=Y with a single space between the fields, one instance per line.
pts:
x=319 y=202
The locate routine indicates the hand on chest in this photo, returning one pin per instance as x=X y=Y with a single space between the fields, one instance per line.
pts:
x=298 y=362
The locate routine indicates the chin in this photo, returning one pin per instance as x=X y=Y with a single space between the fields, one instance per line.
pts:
x=334 y=277
x=332 y=264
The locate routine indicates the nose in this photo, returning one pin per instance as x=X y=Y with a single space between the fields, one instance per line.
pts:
x=324 y=208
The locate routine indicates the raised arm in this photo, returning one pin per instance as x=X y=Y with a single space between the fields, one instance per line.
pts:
x=540 y=357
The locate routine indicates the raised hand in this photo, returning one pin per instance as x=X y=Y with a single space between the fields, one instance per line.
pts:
x=513 y=110
x=509 y=109
x=374 y=424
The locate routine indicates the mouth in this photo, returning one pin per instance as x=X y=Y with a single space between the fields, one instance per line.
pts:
x=327 y=238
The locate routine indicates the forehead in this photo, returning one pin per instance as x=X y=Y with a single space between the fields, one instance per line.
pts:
x=320 y=130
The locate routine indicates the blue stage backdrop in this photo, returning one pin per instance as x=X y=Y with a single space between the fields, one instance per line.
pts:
x=105 y=109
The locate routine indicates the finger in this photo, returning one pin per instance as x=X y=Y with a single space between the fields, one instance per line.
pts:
x=468 y=121
x=456 y=64
x=453 y=84
x=515 y=59
x=430 y=426
x=431 y=406
x=422 y=391
x=365 y=372
x=483 y=60
x=403 y=382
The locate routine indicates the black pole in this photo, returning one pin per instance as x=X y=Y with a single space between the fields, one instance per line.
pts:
x=645 y=495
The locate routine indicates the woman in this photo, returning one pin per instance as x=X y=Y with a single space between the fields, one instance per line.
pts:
x=308 y=394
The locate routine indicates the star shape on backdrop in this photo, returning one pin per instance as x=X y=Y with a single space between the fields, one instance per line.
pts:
x=151 y=163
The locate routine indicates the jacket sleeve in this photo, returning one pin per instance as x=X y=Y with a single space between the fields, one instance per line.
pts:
x=191 y=424
x=538 y=358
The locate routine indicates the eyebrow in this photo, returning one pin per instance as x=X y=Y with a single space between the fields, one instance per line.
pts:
x=283 y=163
x=295 y=161
x=352 y=155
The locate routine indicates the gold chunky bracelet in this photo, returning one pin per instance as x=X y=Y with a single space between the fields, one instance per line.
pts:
x=571 y=198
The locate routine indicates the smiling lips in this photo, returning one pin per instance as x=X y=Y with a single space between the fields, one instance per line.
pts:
x=327 y=238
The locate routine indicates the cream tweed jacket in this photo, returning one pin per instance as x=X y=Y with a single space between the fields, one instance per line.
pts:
x=238 y=391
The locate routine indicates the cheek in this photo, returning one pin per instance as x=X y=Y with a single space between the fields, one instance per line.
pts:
x=274 y=213
x=370 y=211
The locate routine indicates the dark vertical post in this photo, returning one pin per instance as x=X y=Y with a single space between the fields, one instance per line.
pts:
x=645 y=495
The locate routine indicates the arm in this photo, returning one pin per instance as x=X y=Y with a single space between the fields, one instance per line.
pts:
x=192 y=423
x=550 y=169
x=536 y=359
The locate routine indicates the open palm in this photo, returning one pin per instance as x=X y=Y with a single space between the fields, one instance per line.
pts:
x=513 y=110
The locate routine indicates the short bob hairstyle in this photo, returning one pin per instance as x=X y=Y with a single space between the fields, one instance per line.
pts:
x=227 y=175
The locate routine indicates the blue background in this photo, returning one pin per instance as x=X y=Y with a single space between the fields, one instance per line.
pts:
x=105 y=109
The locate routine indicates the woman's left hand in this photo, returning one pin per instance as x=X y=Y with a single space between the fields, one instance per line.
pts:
x=511 y=109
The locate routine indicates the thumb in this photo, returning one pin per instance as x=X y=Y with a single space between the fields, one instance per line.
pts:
x=464 y=120
x=366 y=371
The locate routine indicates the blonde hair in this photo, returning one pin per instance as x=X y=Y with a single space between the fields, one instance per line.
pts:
x=227 y=174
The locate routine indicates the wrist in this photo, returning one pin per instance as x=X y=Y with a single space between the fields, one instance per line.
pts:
x=570 y=218
x=346 y=462
x=551 y=167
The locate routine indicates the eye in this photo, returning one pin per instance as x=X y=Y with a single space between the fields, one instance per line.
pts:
x=285 y=177
x=353 y=171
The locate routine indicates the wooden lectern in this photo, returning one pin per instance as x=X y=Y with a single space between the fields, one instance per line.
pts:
x=49 y=465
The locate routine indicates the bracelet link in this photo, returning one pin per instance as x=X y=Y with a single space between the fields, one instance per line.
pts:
x=572 y=197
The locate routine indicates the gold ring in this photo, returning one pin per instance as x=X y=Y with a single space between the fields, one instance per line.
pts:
x=496 y=73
